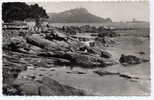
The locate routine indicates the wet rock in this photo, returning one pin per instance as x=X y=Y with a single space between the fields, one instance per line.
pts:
x=130 y=60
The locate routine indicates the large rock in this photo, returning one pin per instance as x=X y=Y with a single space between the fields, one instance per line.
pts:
x=54 y=34
x=106 y=32
x=105 y=54
x=90 y=50
x=85 y=60
x=11 y=68
x=37 y=40
x=81 y=59
x=59 y=89
x=46 y=87
x=106 y=41
x=10 y=90
x=130 y=60
x=15 y=44
x=27 y=87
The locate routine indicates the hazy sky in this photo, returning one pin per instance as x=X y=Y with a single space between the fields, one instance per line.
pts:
x=117 y=11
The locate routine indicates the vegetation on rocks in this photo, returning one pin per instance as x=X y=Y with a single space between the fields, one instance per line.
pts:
x=20 y=11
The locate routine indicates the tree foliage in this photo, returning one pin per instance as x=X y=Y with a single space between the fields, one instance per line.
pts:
x=20 y=11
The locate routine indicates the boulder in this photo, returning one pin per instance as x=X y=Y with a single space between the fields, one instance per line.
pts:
x=74 y=44
x=45 y=87
x=106 y=41
x=60 y=35
x=90 y=50
x=90 y=60
x=81 y=59
x=130 y=60
x=107 y=33
x=15 y=44
x=10 y=90
x=11 y=68
x=30 y=88
x=54 y=34
x=37 y=40
x=58 y=89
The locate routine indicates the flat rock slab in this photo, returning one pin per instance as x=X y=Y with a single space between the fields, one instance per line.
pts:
x=46 y=87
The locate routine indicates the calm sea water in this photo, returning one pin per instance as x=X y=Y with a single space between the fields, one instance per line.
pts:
x=113 y=24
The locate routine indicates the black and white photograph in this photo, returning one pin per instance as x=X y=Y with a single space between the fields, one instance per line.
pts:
x=74 y=48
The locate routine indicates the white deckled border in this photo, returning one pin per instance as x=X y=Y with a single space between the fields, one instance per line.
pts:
x=84 y=97
x=73 y=0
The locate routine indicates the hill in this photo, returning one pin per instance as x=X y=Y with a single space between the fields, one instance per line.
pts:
x=77 y=15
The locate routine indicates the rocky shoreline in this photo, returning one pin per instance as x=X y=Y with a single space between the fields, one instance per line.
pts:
x=49 y=50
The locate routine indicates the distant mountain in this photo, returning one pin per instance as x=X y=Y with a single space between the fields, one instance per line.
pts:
x=77 y=15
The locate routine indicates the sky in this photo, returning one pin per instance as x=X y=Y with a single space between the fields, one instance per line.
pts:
x=117 y=11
